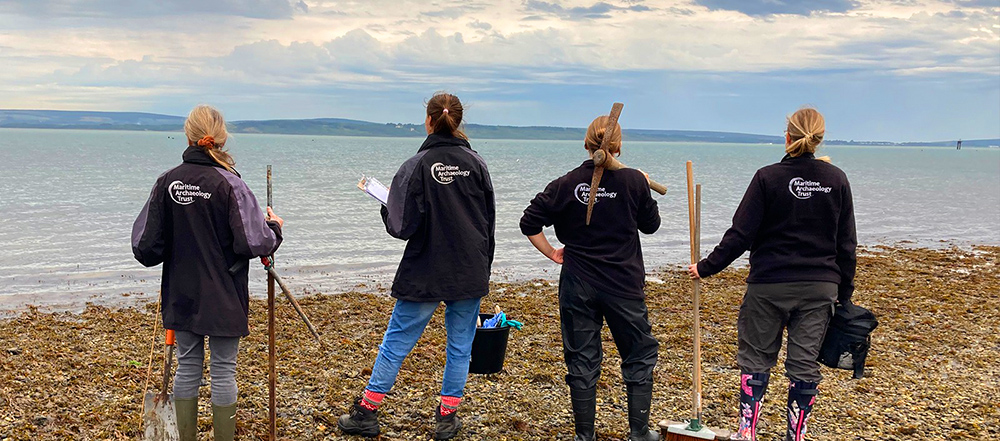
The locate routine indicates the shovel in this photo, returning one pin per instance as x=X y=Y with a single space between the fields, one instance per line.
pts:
x=159 y=414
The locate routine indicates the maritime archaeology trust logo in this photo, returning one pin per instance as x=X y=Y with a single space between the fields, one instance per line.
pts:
x=446 y=174
x=185 y=194
x=582 y=193
x=804 y=189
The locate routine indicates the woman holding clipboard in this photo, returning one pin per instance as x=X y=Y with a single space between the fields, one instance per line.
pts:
x=441 y=202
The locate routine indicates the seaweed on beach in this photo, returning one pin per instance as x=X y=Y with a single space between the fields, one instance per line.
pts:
x=932 y=373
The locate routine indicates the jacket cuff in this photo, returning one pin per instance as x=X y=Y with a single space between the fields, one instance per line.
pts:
x=704 y=271
x=528 y=230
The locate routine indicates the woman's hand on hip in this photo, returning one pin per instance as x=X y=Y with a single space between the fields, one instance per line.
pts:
x=557 y=255
x=693 y=271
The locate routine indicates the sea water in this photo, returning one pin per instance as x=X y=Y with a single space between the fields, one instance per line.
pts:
x=68 y=199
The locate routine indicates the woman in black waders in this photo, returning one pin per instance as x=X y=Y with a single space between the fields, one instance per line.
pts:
x=441 y=202
x=797 y=220
x=602 y=279
x=204 y=224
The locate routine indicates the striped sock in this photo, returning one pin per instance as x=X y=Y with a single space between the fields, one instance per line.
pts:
x=449 y=405
x=371 y=400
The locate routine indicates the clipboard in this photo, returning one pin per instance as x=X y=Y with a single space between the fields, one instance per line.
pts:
x=374 y=188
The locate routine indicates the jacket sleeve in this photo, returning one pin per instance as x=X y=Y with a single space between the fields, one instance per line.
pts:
x=403 y=213
x=491 y=210
x=540 y=211
x=649 y=212
x=252 y=235
x=847 y=244
x=148 y=230
x=739 y=237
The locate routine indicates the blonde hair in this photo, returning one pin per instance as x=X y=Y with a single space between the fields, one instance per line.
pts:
x=206 y=128
x=595 y=135
x=806 y=128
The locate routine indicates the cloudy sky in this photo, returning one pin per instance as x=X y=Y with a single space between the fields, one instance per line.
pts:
x=896 y=70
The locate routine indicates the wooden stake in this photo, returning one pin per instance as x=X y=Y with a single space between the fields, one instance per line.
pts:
x=693 y=218
x=595 y=181
x=272 y=376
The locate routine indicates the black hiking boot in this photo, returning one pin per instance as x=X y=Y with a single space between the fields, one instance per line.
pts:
x=447 y=425
x=801 y=398
x=639 y=400
x=584 y=411
x=752 y=389
x=360 y=421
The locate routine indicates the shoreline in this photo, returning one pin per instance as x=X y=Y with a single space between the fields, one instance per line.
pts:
x=82 y=375
x=358 y=281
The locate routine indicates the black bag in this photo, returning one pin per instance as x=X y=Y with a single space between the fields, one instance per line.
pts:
x=848 y=338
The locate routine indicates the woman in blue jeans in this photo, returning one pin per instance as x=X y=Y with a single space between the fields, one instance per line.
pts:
x=441 y=202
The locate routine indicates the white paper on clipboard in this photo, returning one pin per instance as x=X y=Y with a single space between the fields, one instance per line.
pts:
x=374 y=188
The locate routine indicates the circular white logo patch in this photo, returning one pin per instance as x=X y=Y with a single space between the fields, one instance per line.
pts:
x=175 y=190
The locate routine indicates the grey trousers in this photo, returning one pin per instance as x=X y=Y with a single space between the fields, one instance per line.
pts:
x=190 y=364
x=804 y=308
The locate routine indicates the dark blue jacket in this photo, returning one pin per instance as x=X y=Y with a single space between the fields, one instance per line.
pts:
x=200 y=221
x=441 y=203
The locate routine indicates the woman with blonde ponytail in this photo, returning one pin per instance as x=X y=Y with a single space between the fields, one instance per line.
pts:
x=602 y=278
x=797 y=220
x=203 y=224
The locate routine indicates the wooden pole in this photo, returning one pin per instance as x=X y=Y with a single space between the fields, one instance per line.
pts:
x=693 y=219
x=595 y=181
x=697 y=305
x=272 y=376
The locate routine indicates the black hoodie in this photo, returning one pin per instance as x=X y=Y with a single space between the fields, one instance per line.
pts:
x=200 y=221
x=797 y=220
x=606 y=253
x=441 y=202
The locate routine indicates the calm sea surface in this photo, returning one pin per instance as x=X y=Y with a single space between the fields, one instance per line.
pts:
x=68 y=199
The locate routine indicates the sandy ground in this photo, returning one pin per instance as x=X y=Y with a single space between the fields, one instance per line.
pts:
x=933 y=373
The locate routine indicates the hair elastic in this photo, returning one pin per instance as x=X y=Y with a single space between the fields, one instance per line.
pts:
x=444 y=111
x=207 y=141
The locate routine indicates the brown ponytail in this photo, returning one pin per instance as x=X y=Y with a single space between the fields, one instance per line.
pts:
x=596 y=133
x=445 y=111
x=206 y=128
x=806 y=128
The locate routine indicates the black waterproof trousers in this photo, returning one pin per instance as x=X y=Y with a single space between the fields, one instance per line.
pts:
x=582 y=311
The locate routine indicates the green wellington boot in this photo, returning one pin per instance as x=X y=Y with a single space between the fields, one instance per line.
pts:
x=187 y=418
x=224 y=422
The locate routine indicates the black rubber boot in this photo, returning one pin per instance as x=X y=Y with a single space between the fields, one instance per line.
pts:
x=752 y=390
x=360 y=421
x=584 y=411
x=639 y=400
x=447 y=426
x=801 y=398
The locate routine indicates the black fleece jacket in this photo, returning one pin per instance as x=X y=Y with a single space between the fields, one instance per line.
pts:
x=797 y=220
x=606 y=253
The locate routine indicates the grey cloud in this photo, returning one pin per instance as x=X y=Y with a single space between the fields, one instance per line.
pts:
x=596 y=11
x=759 y=8
x=476 y=24
x=267 y=9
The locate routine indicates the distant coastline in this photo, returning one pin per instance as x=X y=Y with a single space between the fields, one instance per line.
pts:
x=138 y=121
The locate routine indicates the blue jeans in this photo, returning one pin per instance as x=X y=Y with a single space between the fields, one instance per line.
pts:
x=405 y=327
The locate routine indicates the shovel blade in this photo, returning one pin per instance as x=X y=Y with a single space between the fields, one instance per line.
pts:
x=160 y=418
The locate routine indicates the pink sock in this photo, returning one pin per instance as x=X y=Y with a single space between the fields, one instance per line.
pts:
x=372 y=400
x=449 y=405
